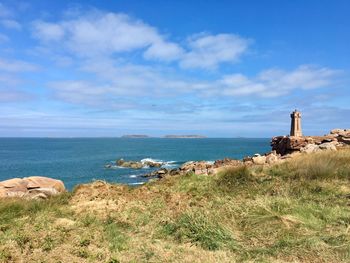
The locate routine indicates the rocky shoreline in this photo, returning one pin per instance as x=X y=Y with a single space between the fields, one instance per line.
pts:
x=283 y=148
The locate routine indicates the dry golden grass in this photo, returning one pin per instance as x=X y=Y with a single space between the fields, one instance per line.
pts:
x=297 y=211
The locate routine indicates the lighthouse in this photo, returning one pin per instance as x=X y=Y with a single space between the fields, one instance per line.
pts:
x=295 y=127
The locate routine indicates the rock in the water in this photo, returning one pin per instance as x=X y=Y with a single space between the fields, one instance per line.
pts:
x=129 y=164
x=152 y=164
x=33 y=187
x=120 y=162
x=138 y=164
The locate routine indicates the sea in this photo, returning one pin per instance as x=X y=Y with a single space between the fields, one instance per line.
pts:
x=82 y=160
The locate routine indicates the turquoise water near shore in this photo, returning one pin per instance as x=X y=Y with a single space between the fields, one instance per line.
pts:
x=82 y=160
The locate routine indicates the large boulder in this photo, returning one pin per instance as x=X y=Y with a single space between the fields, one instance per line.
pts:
x=328 y=146
x=200 y=167
x=258 y=159
x=272 y=158
x=31 y=187
x=310 y=148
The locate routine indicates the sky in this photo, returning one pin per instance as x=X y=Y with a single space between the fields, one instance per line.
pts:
x=214 y=68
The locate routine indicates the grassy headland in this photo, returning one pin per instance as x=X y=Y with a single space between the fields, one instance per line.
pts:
x=296 y=211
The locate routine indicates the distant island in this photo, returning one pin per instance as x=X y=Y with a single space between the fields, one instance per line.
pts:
x=185 y=136
x=135 y=136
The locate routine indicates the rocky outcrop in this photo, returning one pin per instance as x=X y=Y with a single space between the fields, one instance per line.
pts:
x=312 y=148
x=196 y=167
x=34 y=187
x=268 y=158
x=136 y=164
x=341 y=135
x=289 y=144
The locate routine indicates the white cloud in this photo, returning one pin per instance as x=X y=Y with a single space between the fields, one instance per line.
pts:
x=208 y=51
x=276 y=82
x=97 y=34
x=106 y=33
x=16 y=66
x=114 y=83
x=164 y=51
x=48 y=31
x=11 y=24
x=102 y=45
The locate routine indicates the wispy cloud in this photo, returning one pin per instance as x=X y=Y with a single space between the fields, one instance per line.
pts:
x=14 y=96
x=277 y=82
x=114 y=83
x=208 y=51
x=16 y=66
x=97 y=33
x=11 y=24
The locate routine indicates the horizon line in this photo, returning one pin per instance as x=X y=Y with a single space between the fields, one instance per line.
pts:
x=120 y=137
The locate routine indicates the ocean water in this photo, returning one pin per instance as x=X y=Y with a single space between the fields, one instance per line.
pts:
x=82 y=160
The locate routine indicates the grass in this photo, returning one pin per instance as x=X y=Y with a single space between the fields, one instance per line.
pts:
x=197 y=228
x=296 y=211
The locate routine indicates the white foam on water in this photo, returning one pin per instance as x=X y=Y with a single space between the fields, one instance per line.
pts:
x=114 y=167
x=170 y=164
x=166 y=164
x=133 y=176
x=151 y=160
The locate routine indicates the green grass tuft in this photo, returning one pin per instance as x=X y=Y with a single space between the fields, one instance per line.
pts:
x=199 y=229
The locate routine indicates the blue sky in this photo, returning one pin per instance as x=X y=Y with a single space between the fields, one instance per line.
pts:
x=217 y=68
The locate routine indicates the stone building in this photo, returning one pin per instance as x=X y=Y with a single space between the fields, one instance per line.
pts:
x=295 y=127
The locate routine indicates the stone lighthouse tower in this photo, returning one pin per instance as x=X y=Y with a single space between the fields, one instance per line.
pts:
x=295 y=127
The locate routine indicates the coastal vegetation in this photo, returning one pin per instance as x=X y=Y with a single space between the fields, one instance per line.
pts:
x=294 y=211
